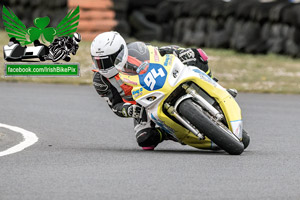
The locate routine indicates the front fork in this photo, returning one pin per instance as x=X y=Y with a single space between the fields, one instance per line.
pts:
x=191 y=93
x=172 y=111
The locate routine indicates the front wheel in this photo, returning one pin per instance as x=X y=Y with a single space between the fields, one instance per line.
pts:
x=215 y=131
x=246 y=139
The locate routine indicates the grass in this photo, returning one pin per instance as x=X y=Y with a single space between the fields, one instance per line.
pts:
x=256 y=73
x=247 y=73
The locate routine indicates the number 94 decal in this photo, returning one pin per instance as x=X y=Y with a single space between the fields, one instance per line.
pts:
x=154 y=78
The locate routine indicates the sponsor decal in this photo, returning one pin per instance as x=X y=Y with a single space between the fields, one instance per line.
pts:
x=175 y=73
x=156 y=56
x=205 y=77
x=237 y=128
x=129 y=81
x=137 y=93
x=162 y=125
x=169 y=60
x=142 y=69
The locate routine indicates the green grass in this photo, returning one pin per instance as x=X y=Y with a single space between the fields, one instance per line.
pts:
x=247 y=73
x=256 y=73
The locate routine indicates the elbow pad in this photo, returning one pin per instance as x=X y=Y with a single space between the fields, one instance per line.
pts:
x=100 y=84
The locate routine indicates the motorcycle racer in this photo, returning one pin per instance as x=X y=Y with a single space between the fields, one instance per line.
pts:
x=105 y=52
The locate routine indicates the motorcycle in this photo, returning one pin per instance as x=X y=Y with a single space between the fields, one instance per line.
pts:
x=184 y=101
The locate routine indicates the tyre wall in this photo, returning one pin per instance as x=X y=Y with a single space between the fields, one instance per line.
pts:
x=249 y=26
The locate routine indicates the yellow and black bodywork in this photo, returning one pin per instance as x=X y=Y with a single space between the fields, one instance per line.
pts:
x=153 y=99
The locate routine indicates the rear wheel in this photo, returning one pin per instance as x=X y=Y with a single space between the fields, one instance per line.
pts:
x=214 y=130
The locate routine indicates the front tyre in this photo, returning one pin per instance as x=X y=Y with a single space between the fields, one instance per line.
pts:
x=246 y=139
x=215 y=131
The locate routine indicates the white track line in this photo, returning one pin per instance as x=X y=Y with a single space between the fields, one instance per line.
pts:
x=29 y=139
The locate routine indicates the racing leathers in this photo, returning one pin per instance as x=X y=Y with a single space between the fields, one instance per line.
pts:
x=119 y=98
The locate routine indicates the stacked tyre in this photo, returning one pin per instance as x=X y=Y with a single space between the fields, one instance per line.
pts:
x=250 y=26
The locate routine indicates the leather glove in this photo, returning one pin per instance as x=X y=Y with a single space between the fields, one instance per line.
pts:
x=131 y=110
x=167 y=49
x=186 y=56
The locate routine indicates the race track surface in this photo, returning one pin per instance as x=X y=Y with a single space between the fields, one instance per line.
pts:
x=84 y=151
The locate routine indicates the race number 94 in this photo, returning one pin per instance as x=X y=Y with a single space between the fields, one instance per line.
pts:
x=150 y=78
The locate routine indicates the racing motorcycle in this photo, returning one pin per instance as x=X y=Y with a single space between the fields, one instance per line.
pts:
x=183 y=100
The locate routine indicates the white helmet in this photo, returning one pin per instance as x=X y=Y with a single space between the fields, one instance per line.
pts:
x=104 y=50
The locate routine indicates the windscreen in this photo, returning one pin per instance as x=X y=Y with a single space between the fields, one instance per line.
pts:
x=138 y=55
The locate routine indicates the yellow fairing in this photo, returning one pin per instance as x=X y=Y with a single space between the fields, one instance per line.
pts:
x=229 y=106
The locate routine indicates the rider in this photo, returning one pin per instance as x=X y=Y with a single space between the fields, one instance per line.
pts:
x=104 y=50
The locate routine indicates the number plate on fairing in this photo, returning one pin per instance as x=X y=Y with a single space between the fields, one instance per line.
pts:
x=154 y=78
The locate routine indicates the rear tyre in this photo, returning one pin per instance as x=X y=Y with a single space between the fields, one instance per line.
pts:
x=215 y=131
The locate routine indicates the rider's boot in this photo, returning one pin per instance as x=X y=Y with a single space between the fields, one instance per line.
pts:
x=149 y=138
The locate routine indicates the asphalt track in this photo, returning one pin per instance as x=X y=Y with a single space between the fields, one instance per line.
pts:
x=84 y=151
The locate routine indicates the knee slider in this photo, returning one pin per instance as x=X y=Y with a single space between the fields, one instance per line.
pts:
x=148 y=137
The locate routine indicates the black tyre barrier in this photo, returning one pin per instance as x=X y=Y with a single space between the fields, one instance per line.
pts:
x=120 y=5
x=247 y=26
x=123 y=27
x=144 y=29
x=250 y=26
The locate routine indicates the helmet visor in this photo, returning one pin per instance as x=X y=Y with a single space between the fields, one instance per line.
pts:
x=102 y=62
x=106 y=62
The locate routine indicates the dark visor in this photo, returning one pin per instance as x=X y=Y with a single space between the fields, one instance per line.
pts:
x=105 y=62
